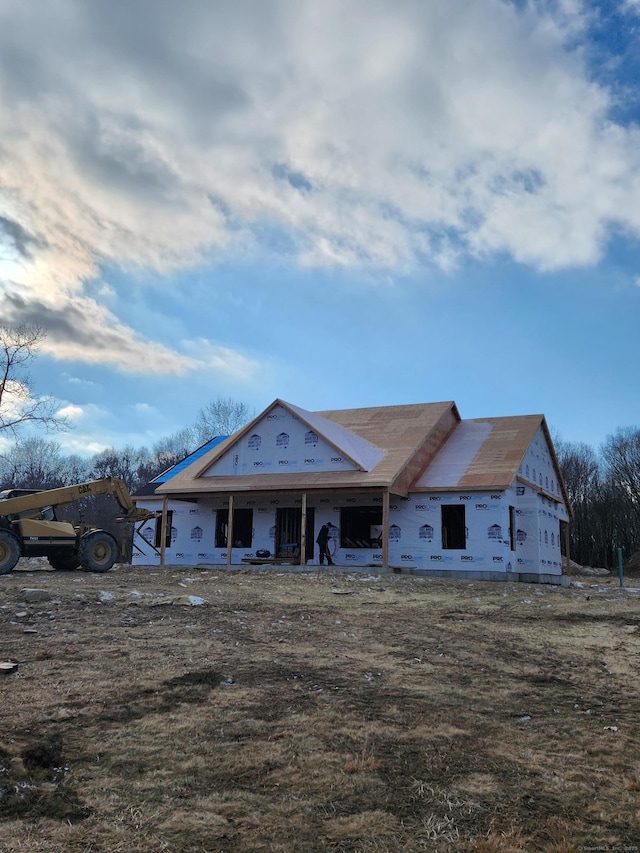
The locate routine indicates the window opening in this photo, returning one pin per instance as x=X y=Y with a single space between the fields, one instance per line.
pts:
x=361 y=527
x=242 y=528
x=512 y=528
x=454 y=531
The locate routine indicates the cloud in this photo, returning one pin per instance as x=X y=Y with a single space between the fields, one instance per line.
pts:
x=211 y=357
x=71 y=412
x=83 y=445
x=75 y=380
x=385 y=134
x=18 y=237
x=93 y=428
x=86 y=331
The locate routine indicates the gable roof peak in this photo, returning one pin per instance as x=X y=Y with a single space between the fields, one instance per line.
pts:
x=364 y=454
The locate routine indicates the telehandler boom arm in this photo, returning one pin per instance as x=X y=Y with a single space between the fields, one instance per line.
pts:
x=22 y=504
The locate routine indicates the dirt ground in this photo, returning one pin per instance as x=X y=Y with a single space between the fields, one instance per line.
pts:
x=203 y=710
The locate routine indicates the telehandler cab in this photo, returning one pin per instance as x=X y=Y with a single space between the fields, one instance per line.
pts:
x=29 y=527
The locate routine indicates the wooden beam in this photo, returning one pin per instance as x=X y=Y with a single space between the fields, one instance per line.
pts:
x=303 y=531
x=163 y=529
x=385 y=529
x=230 y=530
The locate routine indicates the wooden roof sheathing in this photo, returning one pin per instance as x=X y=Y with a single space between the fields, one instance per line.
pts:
x=420 y=447
x=397 y=441
x=484 y=453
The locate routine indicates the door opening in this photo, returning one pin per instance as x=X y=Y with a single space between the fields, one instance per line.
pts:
x=288 y=530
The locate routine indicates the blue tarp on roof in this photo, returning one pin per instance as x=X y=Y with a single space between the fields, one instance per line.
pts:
x=188 y=460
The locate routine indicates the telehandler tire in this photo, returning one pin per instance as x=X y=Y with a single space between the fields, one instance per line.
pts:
x=9 y=551
x=98 y=551
x=64 y=562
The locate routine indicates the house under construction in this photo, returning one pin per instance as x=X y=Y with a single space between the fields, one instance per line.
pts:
x=412 y=488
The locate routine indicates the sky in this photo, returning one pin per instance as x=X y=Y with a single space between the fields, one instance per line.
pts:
x=338 y=204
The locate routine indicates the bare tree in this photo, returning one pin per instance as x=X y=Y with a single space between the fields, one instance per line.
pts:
x=18 y=405
x=172 y=448
x=75 y=469
x=621 y=463
x=604 y=490
x=221 y=417
x=33 y=463
x=621 y=454
x=614 y=522
x=581 y=474
x=123 y=463
x=579 y=465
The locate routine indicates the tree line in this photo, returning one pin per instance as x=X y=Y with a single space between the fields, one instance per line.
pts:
x=603 y=486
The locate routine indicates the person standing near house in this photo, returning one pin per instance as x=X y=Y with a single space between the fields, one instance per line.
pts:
x=323 y=540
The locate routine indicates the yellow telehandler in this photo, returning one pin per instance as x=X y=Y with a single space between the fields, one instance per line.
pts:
x=29 y=527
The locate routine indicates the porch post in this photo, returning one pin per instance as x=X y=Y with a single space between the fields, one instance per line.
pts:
x=385 y=529
x=163 y=529
x=230 y=530
x=303 y=531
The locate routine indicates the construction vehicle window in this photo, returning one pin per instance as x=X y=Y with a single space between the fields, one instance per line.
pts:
x=44 y=514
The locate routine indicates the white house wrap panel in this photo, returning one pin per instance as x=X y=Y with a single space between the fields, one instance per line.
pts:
x=280 y=442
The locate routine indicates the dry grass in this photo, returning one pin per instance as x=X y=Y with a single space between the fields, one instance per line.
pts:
x=411 y=715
